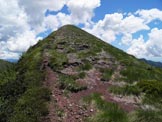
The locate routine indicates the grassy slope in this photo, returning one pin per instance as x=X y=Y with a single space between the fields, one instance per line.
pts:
x=7 y=76
x=27 y=86
x=135 y=70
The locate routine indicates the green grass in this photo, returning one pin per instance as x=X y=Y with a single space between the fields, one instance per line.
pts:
x=68 y=83
x=151 y=87
x=107 y=111
x=31 y=106
x=106 y=74
x=21 y=84
x=86 y=65
x=146 y=116
x=125 y=90
x=57 y=60
x=153 y=92
x=82 y=75
x=135 y=73
x=22 y=98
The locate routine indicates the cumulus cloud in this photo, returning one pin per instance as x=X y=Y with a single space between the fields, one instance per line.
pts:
x=150 y=15
x=16 y=44
x=116 y=24
x=9 y=55
x=150 y=48
x=13 y=21
x=82 y=10
x=132 y=24
x=22 y=20
x=137 y=47
x=35 y=10
x=127 y=39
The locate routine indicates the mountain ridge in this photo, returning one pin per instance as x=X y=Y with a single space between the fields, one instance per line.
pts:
x=73 y=76
x=152 y=63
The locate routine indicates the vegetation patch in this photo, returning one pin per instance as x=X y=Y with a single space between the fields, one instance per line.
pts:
x=106 y=74
x=125 y=90
x=57 y=60
x=135 y=73
x=146 y=116
x=31 y=105
x=82 y=75
x=107 y=111
x=85 y=66
x=68 y=83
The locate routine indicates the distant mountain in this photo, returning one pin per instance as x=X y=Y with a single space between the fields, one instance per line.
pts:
x=12 y=60
x=153 y=63
x=4 y=65
x=72 y=76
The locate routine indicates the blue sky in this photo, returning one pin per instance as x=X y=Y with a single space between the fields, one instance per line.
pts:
x=131 y=25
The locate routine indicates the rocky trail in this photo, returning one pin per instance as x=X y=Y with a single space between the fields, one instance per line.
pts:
x=70 y=108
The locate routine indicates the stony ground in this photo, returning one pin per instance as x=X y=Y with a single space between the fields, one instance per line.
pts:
x=70 y=108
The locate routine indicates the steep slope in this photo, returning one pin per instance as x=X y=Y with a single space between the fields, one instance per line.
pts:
x=152 y=63
x=7 y=71
x=72 y=76
x=7 y=76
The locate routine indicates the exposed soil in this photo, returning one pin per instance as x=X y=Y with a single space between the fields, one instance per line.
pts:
x=69 y=108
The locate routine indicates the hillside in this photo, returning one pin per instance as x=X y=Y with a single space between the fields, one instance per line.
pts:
x=72 y=76
x=6 y=71
x=152 y=63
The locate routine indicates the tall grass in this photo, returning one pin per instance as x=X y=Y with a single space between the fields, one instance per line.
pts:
x=107 y=111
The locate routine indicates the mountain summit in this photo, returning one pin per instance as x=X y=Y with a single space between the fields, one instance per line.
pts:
x=72 y=76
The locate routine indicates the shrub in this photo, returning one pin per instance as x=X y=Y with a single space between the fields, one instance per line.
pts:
x=151 y=87
x=86 y=66
x=106 y=74
x=69 y=83
x=57 y=60
x=31 y=106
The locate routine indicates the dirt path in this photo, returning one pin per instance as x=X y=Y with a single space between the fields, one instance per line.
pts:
x=64 y=108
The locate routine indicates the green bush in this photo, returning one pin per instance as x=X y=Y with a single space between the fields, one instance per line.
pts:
x=106 y=74
x=151 y=87
x=31 y=106
x=57 y=60
x=86 y=66
x=68 y=83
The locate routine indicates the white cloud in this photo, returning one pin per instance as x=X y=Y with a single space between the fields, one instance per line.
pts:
x=12 y=20
x=154 y=44
x=127 y=39
x=150 y=15
x=35 y=10
x=150 y=48
x=22 y=20
x=137 y=47
x=16 y=44
x=82 y=11
x=132 y=24
x=116 y=24
x=9 y=55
